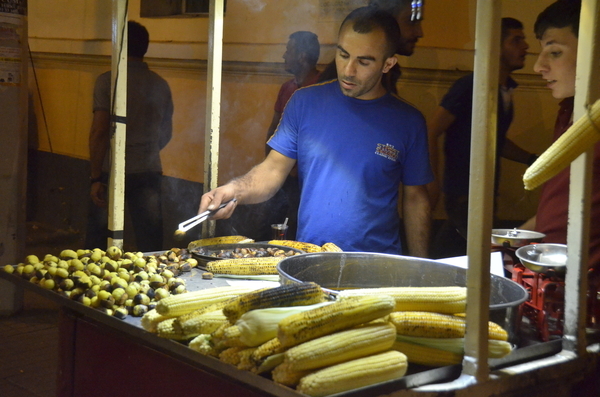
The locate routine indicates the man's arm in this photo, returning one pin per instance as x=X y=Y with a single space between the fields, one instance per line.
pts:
x=99 y=141
x=271 y=130
x=258 y=185
x=439 y=123
x=513 y=152
x=417 y=219
x=529 y=224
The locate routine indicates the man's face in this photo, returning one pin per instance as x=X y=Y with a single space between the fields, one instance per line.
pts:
x=361 y=61
x=513 y=50
x=291 y=57
x=557 y=62
x=410 y=32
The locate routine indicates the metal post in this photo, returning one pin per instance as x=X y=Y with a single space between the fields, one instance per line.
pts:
x=481 y=191
x=116 y=204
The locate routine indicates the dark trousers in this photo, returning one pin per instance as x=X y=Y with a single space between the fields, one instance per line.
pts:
x=143 y=201
x=451 y=238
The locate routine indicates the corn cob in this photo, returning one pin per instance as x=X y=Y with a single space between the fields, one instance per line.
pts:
x=202 y=344
x=221 y=240
x=353 y=374
x=245 y=266
x=436 y=325
x=165 y=329
x=496 y=348
x=331 y=247
x=246 y=363
x=266 y=350
x=581 y=136
x=230 y=338
x=285 y=295
x=447 y=300
x=201 y=324
x=425 y=355
x=282 y=374
x=176 y=305
x=189 y=320
x=306 y=247
x=231 y=355
x=151 y=319
x=268 y=363
x=341 y=346
x=325 y=320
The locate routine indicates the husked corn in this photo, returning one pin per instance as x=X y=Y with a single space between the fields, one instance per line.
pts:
x=306 y=247
x=151 y=319
x=245 y=266
x=425 y=355
x=203 y=323
x=222 y=240
x=176 y=305
x=330 y=247
x=284 y=375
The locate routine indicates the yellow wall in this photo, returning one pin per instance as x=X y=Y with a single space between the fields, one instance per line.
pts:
x=70 y=41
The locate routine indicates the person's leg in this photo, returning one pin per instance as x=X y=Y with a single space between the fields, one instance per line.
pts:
x=143 y=195
x=96 y=235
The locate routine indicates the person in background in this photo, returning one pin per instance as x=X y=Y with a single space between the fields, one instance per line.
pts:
x=149 y=129
x=301 y=57
x=355 y=144
x=409 y=15
x=557 y=28
x=452 y=118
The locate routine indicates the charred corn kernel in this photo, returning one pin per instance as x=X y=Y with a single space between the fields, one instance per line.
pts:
x=202 y=344
x=341 y=346
x=581 y=136
x=299 y=294
x=221 y=240
x=165 y=329
x=353 y=374
x=151 y=319
x=436 y=325
x=203 y=323
x=265 y=350
x=447 y=300
x=231 y=355
x=330 y=247
x=245 y=266
x=176 y=305
x=306 y=247
x=325 y=320
x=246 y=363
x=425 y=355
x=284 y=375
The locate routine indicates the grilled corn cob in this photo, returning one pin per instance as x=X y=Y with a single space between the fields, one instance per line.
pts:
x=447 y=300
x=221 y=240
x=496 y=348
x=436 y=325
x=176 y=305
x=189 y=320
x=265 y=350
x=425 y=355
x=201 y=324
x=246 y=363
x=231 y=355
x=228 y=337
x=284 y=375
x=341 y=346
x=202 y=344
x=306 y=247
x=268 y=363
x=581 y=136
x=151 y=319
x=165 y=329
x=354 y=374
x=330 y=247
x=340 y=315
x=285 y=295
x=245 y=266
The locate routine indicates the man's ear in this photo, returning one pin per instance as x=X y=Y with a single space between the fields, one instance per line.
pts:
x=389 y=63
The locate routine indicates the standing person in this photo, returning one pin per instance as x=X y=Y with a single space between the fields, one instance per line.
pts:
x=409 y=15
x=557 y=28
x=452 y=118
x=149 y=129
x=355 y=144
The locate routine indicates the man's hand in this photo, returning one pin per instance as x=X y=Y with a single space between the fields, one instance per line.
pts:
x=98 y=194
x=213 y=199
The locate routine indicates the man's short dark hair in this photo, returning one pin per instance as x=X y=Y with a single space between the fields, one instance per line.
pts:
x=560 y=14
x=137 y=39
x=307 y=43
x=508 y=24
x=394 y=7
x=366 y=19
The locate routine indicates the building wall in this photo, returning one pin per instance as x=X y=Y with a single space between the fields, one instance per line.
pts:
x=70 y=44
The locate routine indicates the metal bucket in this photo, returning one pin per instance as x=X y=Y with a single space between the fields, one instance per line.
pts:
x=343 y=270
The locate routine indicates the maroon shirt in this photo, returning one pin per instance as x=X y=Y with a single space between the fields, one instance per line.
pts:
x=552 y=213
x=287 y=89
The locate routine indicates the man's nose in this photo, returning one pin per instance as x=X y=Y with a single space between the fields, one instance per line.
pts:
x=540 y=65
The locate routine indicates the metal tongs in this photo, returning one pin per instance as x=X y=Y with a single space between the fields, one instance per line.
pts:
x=198 y=219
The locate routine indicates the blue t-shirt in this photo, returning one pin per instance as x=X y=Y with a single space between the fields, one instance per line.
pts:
x=352 y=157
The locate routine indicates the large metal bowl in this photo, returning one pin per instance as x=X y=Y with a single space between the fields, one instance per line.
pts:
x=515 y=237
x=341 y=270
x=544 y=258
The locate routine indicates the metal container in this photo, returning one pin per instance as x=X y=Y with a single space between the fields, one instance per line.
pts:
x=544 y=258
x=342 y=270
x=515 y=237
x=203 y=259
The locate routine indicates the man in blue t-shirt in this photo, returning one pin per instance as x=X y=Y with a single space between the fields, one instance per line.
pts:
x=355 y=144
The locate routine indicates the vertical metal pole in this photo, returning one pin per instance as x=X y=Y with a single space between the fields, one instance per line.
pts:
x=116 y=203
x=481 y=191
x=213 y=104
x=587 y=90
